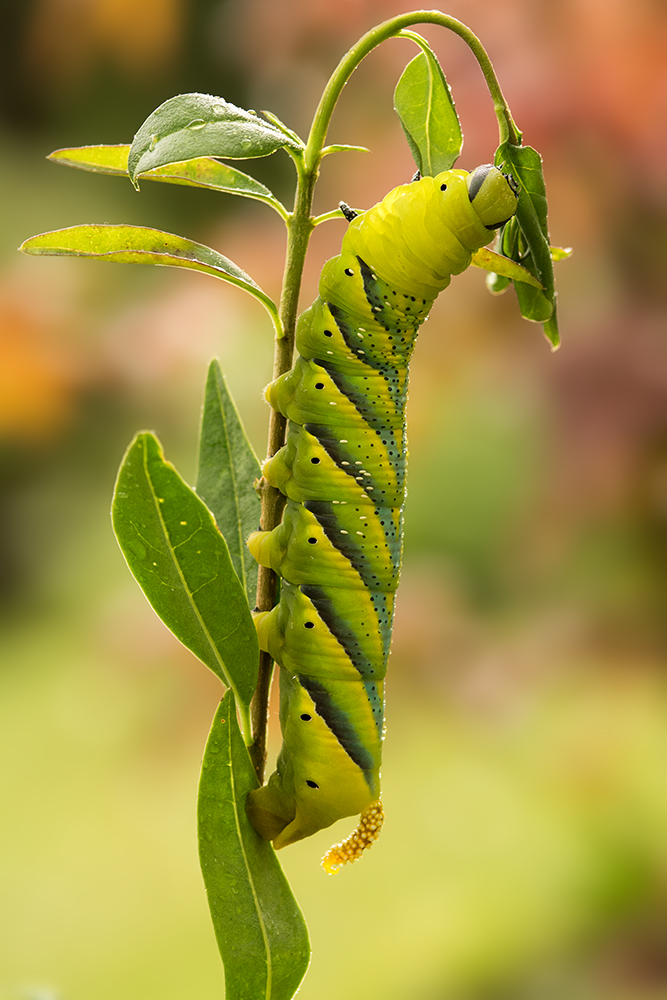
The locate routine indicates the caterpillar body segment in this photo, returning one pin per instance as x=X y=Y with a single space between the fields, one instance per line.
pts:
x=338 y=548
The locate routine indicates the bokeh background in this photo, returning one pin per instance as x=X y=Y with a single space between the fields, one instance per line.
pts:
x=525 y=777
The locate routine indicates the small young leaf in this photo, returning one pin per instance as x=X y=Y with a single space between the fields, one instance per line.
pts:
x=228 y=468
x=181 y=562
x=193 y=125
x=139 y=245
x=489 y=260
x=526 y=237
x=342 y=147
x=260 y=930
x=560 y=253
x=275 y=120
x=203 y=172
x=424 y=105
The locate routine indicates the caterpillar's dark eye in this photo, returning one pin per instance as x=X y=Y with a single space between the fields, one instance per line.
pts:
x=477 y=178
x=328 y=333
x=312 y=784
x=305 y=717
x=349 y=272
x=309 y=624
x=319 y=385
x=315 y=461
x=443 y=187
x=312 y=541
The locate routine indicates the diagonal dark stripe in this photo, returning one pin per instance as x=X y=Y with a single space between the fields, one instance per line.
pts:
x=347 y=544
x=349 y=336
x=338 y=722
x=338 y=627
x=373 y=297
x=327 y=437
x=358 y=397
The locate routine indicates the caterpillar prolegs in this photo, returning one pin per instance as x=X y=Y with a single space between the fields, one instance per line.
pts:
x=338 y=548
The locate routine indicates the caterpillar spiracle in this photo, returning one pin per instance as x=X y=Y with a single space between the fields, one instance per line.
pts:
x=338 y=548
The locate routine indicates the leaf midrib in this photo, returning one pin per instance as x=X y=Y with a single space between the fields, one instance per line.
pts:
x=184 y=583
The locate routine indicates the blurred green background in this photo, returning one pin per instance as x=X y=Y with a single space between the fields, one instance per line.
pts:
x=525 y=777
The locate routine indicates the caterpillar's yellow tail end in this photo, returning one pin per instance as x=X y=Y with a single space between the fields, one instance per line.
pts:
x=353 y=847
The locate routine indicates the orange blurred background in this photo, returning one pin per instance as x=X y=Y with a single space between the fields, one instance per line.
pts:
x=525 y=783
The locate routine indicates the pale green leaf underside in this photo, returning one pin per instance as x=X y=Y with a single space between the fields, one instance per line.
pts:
x=181 y=562
x=122 y=244
x=489 y=260
x=202 y=172
x=228 y=468
x=260 y=930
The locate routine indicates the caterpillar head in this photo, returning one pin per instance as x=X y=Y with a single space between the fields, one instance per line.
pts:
x=493 y=195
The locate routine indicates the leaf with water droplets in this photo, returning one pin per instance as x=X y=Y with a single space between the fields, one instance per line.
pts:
x=525 y=237
x=194 y=125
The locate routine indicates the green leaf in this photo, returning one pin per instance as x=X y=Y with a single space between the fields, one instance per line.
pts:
x=424 y=105
x=342 y=147
x=122 y=244
x=560 y=253
x=193 y=125
x=275 y=120
x=489 y=260
x=203 y=172
x=97 y=159
x=228 y=468
x=261 y=933
x=525 y=238
x=181 y=562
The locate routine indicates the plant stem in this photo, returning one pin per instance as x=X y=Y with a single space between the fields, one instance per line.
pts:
x=299 y=228
x=389 y=29
x=300 y=225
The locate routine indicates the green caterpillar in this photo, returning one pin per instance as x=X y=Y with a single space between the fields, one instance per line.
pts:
x=338 y=548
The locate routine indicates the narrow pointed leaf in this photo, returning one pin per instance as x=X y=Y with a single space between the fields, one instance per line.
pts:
x=193 y=125
x=181 y=562
x=97 y=159
x=526 y=237
x=342 y=147
x=228 y=468
x=424 y=105
x=489 y=260
x=260 y=930
x=140 y=245
x=203 y=172
x=275 y=120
